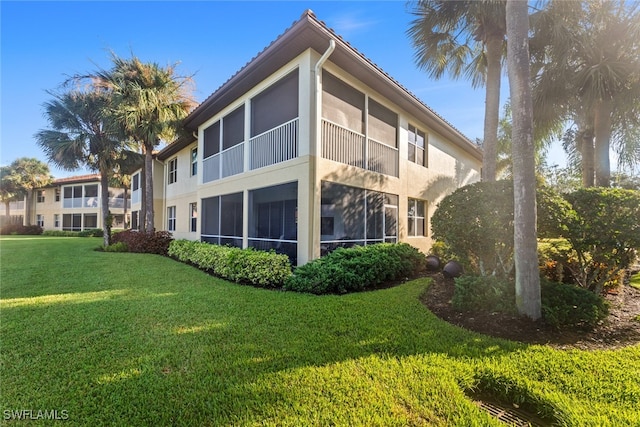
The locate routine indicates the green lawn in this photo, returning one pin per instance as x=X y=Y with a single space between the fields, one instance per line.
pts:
x=132 y=339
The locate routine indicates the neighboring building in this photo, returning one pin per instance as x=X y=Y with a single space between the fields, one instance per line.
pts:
x=74 y=204
x=307 y=148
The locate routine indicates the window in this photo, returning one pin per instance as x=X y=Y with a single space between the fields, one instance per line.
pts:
x=171 y=218
x=40 y=196
x=194 y=161
x=382 y=124
x=417 y=146
x=135 y=223
x=72 y=222
x=57 y=194
x=173 y=170
x=342 y=104
x=416 y=218
x=222 y=220
x=355 y=216
x=56 y=220
x=90 y=221
x=135 y=182
x=91 y=196
x=40 y=220
x=284 y=95
x=193 y=217
x=273 y=219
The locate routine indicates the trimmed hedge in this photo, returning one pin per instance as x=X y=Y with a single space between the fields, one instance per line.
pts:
x=155 y=242
x=244 y=266
x=97 y=232
x=19 y=229
x=357 y=269
x=563 y=305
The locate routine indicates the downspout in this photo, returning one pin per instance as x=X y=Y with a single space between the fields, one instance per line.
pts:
x=317 y=152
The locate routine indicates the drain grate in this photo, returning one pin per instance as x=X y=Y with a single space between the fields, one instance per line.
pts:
x=511 y=416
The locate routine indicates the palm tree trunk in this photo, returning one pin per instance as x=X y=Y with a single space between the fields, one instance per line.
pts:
x=528 y=300
x=124 y=213
x=602 y=128
x=492 y=109
x=27 y=207
x=587 y=157
x=7 y=209
x=148 y=189
x=104 y=208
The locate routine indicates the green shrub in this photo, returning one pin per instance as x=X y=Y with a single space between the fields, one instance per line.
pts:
x=97 y=232
x=570 y=306
x=475 y=224
x=19 y=229
x=116 y=247
x=563 y=306
x=484 y=293
x=156 y=242
x=245 y=266
x=94 y=232
x=356 y=269
x=604 y=234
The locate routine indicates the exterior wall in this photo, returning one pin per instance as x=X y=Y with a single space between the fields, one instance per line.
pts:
x=180 y=194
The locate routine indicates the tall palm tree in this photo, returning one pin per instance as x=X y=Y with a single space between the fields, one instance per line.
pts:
x=83 y=134
x=587 y=62
x=122 y=180
x=149 y=103
x=465 y=38
x=528 y=299
x=27 y=175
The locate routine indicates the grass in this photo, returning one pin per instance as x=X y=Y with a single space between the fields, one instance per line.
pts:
x=118 y=338
x=635 y=281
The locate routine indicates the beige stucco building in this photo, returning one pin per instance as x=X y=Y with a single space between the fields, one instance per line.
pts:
x=309 y=147
x=72 y=204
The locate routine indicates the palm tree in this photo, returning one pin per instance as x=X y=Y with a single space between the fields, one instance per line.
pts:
x=122 y=180
x=587 y=62
x=9 y=192
x=528 y=299
x=149 y=103
x=83 y=134
x=27 y=175
x=465 y=38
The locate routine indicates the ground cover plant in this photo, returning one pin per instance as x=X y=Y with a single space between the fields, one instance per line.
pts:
x=141 y=339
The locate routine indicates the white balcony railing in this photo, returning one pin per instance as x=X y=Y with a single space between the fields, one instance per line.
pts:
x=223 y=164
x=81 y=202
x=382 y=158
x=274 y=146
x=346 y=146
x=342 y=145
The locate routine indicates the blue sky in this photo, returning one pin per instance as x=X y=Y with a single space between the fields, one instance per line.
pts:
x=42 y=43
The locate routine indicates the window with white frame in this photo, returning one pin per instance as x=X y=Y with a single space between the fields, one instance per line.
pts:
x=173 y=170
x=193 y=217
x=194 y=161
x=40 y=196
x=171 y=218
x=56 y=220
x=416 y=218
x=417 y=146
x=57 y=194
x=40 y=220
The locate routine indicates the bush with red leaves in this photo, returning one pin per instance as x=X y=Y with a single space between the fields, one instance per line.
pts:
x=142 y=242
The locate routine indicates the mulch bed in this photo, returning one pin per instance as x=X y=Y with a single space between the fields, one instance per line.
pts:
x=619 y=329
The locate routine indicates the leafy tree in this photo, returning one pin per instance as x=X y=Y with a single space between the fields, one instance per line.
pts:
x=149 y=103
x=83 y=134
x=587 y=67
x=27 y=174
x=465 y=38
x=9 y=192
x=528 y=299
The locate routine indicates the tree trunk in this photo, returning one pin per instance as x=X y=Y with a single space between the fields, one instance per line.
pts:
x=148 y=189
x=7 y=209
x=143 y=199
x=104 y=208
x=492 y=109
x=27 y=207
x=602 y=128
x=587 y=157
x=528 y=300
x=124 y=214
